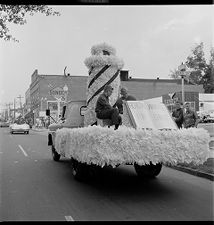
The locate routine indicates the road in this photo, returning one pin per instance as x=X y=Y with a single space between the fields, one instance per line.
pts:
x=36 y=188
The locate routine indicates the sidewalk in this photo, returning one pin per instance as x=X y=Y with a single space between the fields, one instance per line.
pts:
x=205 y=170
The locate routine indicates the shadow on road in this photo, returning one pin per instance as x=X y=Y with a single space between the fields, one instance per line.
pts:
x=121 y=181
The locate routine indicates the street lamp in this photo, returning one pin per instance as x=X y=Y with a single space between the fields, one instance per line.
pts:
x=182 y=72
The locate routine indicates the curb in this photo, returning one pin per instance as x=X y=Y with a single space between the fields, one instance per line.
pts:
x=194 y=172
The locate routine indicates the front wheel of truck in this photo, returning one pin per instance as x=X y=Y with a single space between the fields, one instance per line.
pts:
x=148 y=171
x=55 y=155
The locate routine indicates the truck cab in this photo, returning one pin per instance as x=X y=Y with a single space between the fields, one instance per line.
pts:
x=72 y=117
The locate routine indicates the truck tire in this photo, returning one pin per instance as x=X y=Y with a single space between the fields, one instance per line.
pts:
x=148 y=171
x=79 y=170
x=55 y=155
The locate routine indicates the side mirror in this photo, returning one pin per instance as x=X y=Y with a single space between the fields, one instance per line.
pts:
x=47 y=112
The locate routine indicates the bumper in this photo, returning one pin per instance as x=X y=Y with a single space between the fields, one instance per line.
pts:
x=19 y=130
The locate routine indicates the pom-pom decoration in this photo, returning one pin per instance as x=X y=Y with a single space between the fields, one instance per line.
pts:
x=102 y=48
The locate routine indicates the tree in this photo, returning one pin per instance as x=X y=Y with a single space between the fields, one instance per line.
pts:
x=208 y=78
x=199 y=72
x=196 y=63
x=174 y=74
x=16 y=14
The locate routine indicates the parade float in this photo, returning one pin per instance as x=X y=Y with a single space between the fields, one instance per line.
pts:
x=147 y=142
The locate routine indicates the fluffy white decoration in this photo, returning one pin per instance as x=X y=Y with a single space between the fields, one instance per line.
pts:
x=106 y=146
x=98 y=49
x=102 y=60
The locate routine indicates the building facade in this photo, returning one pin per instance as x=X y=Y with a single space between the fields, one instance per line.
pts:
x=45 y=91
x=48 y=91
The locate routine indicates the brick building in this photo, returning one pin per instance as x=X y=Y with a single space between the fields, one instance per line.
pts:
x=44 y=89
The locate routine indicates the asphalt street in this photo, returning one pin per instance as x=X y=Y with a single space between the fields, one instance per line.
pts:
x=36 y=188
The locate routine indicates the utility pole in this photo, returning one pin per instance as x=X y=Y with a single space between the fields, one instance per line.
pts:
x=20 y=99
x=14 y=109
x=8 y=105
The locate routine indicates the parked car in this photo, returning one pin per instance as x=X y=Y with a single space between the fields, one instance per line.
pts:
x=4 y=124
x=19 y=127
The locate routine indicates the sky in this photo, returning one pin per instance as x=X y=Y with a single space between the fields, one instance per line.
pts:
x=152 y=40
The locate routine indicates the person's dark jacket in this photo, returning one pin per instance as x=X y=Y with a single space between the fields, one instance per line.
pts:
x=178 y=114
x=190 y=118
x=119 y=102
x=102 y=103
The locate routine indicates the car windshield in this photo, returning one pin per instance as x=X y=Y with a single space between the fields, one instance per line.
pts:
x=20 y=121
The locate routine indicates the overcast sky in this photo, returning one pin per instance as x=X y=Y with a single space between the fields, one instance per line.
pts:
x=151 y=40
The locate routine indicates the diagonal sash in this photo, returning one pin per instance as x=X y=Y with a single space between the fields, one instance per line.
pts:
x=107 y=83
x=98 y=74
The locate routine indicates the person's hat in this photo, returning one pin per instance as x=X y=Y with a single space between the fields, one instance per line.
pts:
x=108 y=87
x=124 y=89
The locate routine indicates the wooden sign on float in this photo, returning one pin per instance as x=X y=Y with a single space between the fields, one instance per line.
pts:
x=144 y=115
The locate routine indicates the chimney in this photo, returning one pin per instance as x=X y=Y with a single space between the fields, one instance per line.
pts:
x=124 y=75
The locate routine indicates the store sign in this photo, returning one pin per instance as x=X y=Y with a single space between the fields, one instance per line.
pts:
x=57 y=93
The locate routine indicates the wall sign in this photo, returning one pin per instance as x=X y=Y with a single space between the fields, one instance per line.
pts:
x=58 y=93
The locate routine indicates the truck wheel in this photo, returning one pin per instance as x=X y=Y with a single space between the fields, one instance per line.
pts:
x=93 y=171
x=148 y=171
x=79 y=170
x=55 y=155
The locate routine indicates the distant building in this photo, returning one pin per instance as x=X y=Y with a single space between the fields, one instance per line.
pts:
x=44 y=89
x=206 y=102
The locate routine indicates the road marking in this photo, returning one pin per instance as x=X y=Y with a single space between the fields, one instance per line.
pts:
x=23 y=150
x=69 y=218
